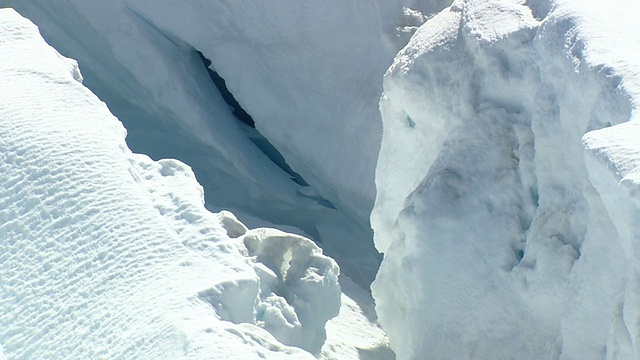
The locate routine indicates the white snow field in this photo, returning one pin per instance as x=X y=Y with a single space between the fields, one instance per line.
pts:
x=107 y=254
x=508 y=184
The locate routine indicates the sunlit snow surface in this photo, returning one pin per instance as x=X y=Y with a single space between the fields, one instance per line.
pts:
x=503 y=236
x=108 y=254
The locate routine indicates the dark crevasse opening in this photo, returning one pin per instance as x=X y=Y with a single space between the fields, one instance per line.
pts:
x=228 y=97
x=249 y=125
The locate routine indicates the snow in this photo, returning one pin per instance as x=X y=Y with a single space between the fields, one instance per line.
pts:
x=306 y=278
x=503 y=160
x=109 y=254
x=355 y=332
x=501 y=234
x=302 y=70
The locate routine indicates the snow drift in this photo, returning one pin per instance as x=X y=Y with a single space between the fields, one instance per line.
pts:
x=503 y=237
x=108 y=254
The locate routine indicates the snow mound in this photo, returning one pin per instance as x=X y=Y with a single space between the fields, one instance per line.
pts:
x=500 y=236
x=108 y=254
x=299 y=287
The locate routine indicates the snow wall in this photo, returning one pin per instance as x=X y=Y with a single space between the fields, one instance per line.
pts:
x=508 y=232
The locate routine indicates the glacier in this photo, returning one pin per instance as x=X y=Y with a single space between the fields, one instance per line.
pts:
x=488 y=148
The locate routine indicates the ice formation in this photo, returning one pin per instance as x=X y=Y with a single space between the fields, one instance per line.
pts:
x=299 y=69
x=503 y=237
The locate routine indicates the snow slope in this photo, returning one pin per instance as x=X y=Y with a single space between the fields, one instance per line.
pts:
x=503 y=237
x=108 y=254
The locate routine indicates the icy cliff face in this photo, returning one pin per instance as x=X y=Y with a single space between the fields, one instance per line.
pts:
x=304 y=69
x=501 y=234
x=108 y=254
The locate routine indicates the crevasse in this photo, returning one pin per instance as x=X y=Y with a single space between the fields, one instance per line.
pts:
x=501 y=166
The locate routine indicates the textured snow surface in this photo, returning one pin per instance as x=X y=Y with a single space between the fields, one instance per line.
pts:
x=503 y=237
x=108 y=254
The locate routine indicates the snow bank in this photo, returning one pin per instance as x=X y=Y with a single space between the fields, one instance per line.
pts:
x=108 y=254
x=500 y=239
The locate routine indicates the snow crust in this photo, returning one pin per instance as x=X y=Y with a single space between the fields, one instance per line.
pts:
x=503 y=237
x=109 y=254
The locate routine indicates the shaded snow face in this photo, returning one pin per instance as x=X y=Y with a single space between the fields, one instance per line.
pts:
x=109 y=254
x=496 y=242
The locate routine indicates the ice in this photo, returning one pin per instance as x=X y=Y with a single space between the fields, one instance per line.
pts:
x=109 y=254
x=503 y=237
x=293 y=268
